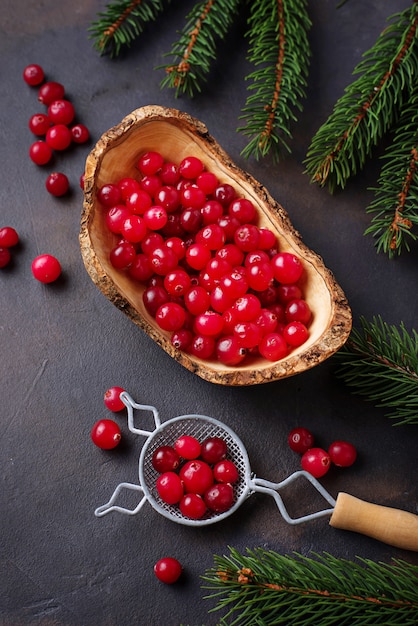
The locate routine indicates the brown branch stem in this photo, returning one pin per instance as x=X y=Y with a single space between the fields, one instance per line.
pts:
x=109 y=33
x=403 y=195
x=183 y=66
x=271 y=108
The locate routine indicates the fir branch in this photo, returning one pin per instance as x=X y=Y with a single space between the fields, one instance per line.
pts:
x=395 y=206
x=380 y=362
x=279 y=49
x=122 y=23
x=263 y=587
x=195 y=50
x=369 y=106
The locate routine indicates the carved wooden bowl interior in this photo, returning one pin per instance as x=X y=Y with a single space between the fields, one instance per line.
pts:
x=176 y=135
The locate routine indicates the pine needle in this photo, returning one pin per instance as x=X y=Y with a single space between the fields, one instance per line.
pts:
x=194 y=52
x=395 y=207
x=369 y=106
x=380 y=362
x=279 y=49
x=265 y=588
x=122 y=23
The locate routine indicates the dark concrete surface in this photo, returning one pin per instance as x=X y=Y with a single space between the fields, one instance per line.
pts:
x=63 y=345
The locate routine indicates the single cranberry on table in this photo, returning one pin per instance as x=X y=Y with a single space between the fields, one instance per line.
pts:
x=300 y=439
x=342 y=453
x=8 y=237
x=168 y=570
x=46 y=268
x=5 y=257
x=316 y=461
x=58 y=137
x=112 y=399
x=33 y=75
x=57 y=184
x=106 y=434
x=39 y=124
x=40 y=152
x=80 y=133
x=61 y=112
x=50 y=91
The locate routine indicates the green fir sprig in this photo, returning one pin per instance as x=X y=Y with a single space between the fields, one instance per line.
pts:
x=193 y=53
x=122 y=23
x=380 y=362
x=395 y=207
x=262 y=587
x=369 y=106
x=279 y=50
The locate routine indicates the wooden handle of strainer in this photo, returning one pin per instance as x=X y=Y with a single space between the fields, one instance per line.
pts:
x=392 y=526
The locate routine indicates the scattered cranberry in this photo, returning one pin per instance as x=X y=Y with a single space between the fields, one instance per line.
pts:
x=106 y=434
x=8 y=237
x=342 y=453
x=50 y=91
x=80 y=133
x=5 y=257
x=40 y=152
x=33 y=75
x=112 y=399
x=46 y=268
x=57 y=184
x=61 y=112
x=58 y=137
x=300 y=440
x=168 y=570
x=39 y=124
x=316 y=461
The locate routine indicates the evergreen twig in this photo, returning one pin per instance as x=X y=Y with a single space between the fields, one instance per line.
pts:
x=369 y=106
x=280 y=51
x=263 y=587
x=380 y=362
x=194 y=52
x=122 y=23
x=395 y=206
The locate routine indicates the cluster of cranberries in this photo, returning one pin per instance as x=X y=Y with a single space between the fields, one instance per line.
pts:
x=106 y=433
x=55 y=127
x=214 y=279
x=196 y=476
x=315 y=460
x=8 y=239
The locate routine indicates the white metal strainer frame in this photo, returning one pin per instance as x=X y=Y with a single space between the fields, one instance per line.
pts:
x=201 y=427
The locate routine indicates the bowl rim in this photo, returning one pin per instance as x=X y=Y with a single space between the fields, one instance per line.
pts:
x=340 y=318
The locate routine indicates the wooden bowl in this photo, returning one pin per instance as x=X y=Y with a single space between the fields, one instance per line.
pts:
x=176 y=135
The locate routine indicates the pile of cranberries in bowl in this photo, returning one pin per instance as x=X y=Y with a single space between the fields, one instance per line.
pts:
x=197 y=477
x=214 y=280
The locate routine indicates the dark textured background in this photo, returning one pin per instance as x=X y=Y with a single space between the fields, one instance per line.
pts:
x=63 y=345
